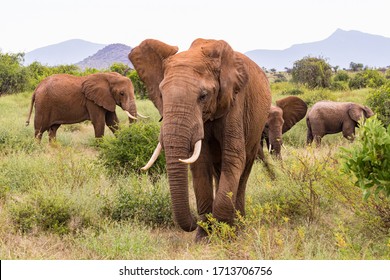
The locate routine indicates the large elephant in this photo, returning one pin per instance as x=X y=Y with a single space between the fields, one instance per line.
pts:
x=328 y=117
x=282 y=117
x=214 y=103
x=66 y=99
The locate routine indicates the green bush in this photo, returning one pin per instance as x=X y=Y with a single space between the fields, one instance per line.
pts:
x=312 y=72
x=367 y=78
x=13 y=76
x=341 y=76
x=131 y=149
x=294 y=91
x=139 y=86
x=369 y=158
x=379 y=102
x=47 y=212
x=143 y=201
x=339 y=86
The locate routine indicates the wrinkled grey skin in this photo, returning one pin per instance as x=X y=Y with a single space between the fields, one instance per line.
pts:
x=328 y=117
x=209 y=93
x=67 y=99
x=282 y=117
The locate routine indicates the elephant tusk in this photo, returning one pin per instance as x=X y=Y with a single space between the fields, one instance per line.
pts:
x=142 y=116
x=284 y=147
x=195 y=155
x=269 y=148
x=154 y=157
x=130 y=115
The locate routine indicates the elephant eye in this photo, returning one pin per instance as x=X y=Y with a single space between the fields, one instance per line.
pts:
x=203 y=96
x=122 y=93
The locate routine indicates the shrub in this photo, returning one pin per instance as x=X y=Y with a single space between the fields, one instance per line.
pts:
x=294 y=91
x=139 y=86
x=142 y=200
x=131 y=149
x=379 y=102
x=309 y=176
x=339 y=86
x=48 y=212
x=312 y=72
x=369 y=158
x=367 y=78
x=13 y=76
x=341 y=76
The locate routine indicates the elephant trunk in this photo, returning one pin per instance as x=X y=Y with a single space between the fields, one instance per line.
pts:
x=275 y=142
x=179 y=135
x=132 y=109
x=178 y=182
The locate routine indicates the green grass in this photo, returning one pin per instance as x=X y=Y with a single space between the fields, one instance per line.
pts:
x=57 y=201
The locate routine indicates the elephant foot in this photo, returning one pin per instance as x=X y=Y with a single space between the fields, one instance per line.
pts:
x=201 y=236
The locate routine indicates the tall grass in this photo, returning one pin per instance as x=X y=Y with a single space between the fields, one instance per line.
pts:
x=57 y=201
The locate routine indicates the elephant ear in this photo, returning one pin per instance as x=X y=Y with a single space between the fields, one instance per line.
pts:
x=367 y=112
x=355 y=112
x=294 y=109
x=97 y=89
x=229 y=66
x=148 y=58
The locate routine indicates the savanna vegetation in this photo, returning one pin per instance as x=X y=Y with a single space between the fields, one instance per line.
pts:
x=81 y=198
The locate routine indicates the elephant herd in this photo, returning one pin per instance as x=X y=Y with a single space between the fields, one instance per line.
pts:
x=325 y=117
x=215 y=104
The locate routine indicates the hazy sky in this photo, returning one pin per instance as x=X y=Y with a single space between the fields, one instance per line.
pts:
x=245 y=24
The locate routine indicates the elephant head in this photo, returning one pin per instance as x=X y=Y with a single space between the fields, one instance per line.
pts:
x=110 y=89
x=188 y=88
x=282 y=117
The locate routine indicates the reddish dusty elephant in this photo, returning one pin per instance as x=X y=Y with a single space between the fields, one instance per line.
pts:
x=214 y=103
x=66 y=99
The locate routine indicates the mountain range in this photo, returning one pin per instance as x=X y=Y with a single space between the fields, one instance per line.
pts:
x=339 y=49
x=68 y=52
x=107 y=56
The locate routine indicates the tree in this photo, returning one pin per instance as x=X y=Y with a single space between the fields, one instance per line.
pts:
x=139 y=86
x=312 y=72
x=13 y=76
x=356 y=66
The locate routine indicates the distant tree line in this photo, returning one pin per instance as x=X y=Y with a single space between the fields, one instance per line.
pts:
x=311 y=72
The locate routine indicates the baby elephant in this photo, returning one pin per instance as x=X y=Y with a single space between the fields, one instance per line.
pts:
x=66 y=99
x=328 y=117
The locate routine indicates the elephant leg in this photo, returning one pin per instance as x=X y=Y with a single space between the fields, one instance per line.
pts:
x=112 y=121
x=317 y=139
x=53 y=131
x=97 y=115
x=260 y=152
x=309 y=138
x=202 y=178
x=317 y=134
x=349 y=131
x=38 y=134
x=232 y=167
x=240 y=201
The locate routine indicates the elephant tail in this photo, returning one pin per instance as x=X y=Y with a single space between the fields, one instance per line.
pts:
x=31 y=108
x=309 y=138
